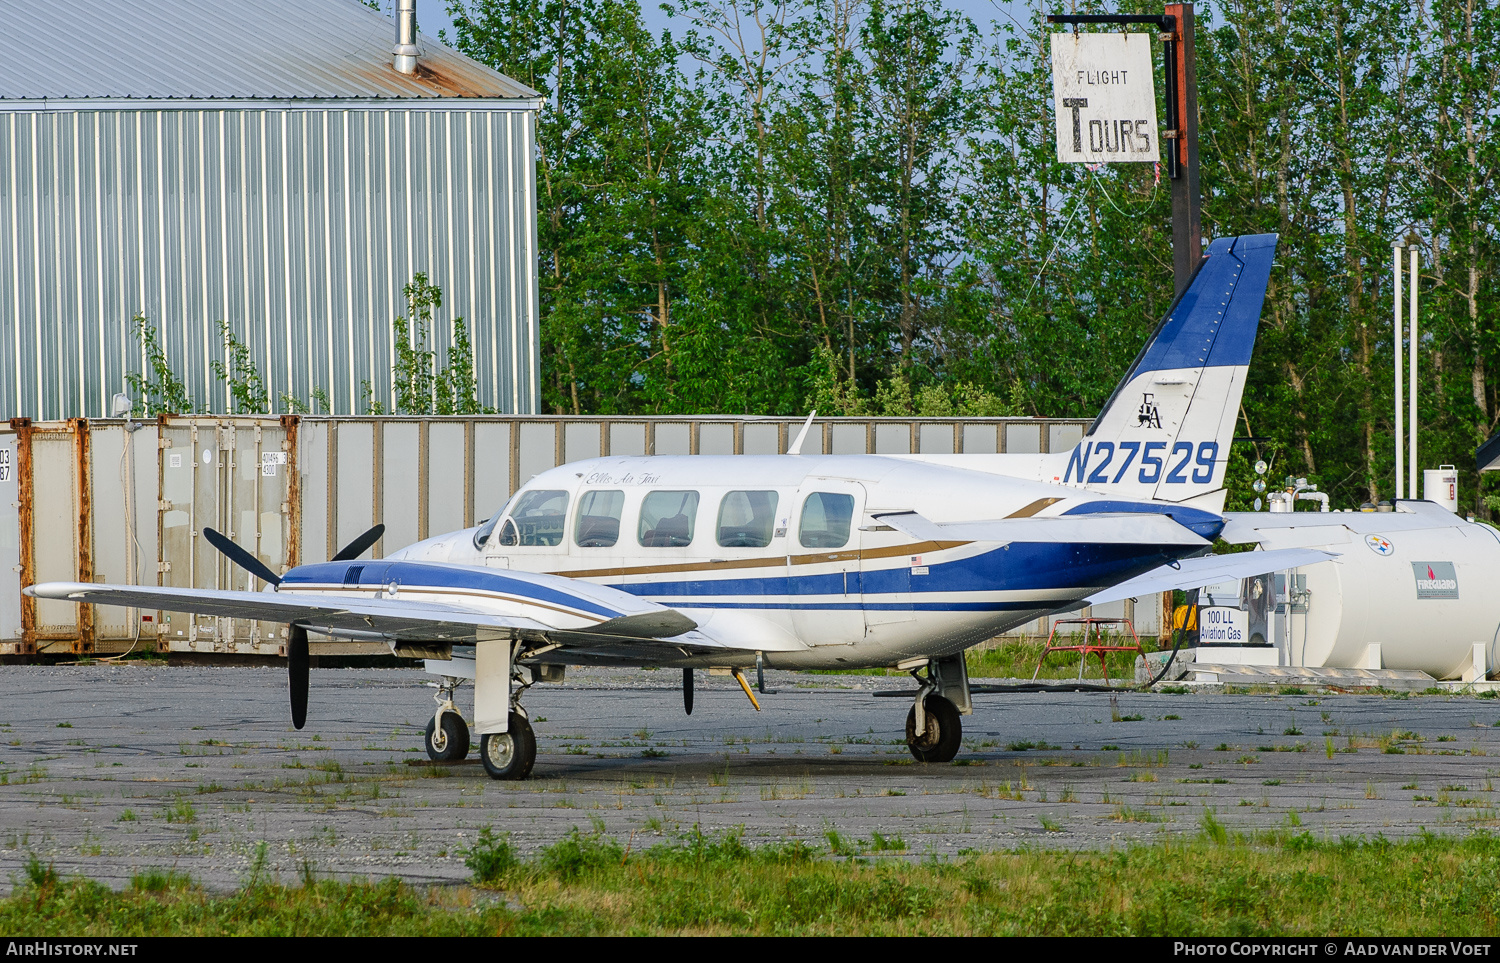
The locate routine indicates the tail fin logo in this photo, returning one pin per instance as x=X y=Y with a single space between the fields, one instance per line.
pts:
x=1149 y=415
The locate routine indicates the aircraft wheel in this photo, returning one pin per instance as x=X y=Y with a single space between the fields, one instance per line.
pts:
x=509 y=754
x=448 y=742
x=945 y=732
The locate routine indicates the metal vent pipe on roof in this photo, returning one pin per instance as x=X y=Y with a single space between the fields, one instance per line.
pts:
x=404 y=54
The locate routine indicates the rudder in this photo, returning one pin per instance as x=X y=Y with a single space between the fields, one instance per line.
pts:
x=1165 y=432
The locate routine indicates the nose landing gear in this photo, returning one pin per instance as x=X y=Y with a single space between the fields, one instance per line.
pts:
x=941 y=734
x=447 y=737
x=934 y=731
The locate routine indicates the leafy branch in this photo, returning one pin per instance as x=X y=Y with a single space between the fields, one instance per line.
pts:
x=159 y=390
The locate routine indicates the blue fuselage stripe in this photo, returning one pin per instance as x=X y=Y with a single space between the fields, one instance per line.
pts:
x=1018 y=567
x=1024 y=606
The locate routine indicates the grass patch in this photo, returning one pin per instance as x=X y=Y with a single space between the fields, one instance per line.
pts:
x=1283 y=883
x=180 y=811
x=490 y=858
x=1018 y=660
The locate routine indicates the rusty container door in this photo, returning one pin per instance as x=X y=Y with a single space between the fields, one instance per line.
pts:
x=233 y=475
x=175 y=531
x=122 y=495
x=10 y=547
x=56 y=541
x=258 y=474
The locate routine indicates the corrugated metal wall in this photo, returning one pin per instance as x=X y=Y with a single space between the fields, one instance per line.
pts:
x=297 y=226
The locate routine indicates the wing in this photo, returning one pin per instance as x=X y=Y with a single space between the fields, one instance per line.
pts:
x=1208 y=569
x=540 y=607
x=1127 y=528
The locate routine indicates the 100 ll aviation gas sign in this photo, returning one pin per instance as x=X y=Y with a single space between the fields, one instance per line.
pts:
x=1105 y=94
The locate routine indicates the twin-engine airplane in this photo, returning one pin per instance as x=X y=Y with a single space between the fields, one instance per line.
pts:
x=795 y=561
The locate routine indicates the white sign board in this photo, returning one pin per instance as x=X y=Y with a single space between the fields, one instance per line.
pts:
x=1221 y=625
x=1105 y=92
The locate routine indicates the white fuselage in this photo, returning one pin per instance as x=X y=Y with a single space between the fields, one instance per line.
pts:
x=782 y=555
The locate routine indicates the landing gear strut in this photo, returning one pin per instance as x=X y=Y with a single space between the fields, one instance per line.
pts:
x=447 y=734
x=512 y=753
x=934 y=731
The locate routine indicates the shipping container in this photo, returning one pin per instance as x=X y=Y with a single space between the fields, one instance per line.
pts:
x=119 y=501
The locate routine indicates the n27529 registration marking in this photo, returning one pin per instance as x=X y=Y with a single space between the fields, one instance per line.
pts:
x=1105 y=462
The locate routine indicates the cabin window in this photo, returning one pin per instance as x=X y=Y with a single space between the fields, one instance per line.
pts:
x=667 y=519
x=598 y=523
x=746 y=519
x=537 y=519
x=825 y=520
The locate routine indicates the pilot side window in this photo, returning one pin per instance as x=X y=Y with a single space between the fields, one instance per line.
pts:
x=536 y=520
x=599 y=519
x=667 y=519
x=482 y=534
x=826 y=518
x=746 y=519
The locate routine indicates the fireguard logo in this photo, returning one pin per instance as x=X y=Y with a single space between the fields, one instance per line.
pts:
x=1435 y=580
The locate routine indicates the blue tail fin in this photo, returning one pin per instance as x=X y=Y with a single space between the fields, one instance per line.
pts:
x=1166 y=430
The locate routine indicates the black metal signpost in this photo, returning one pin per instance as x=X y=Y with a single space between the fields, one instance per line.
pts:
x=1176 y=26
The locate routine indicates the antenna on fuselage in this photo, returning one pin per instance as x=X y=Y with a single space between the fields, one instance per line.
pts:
x=796 y=446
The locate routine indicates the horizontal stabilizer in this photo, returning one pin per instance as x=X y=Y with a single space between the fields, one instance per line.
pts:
x=1207 y=570
x=1125 y=528
x=1245 y=528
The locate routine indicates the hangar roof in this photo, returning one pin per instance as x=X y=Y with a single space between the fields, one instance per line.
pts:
x=225 y=50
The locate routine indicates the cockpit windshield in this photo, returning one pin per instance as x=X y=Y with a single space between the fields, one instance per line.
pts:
x=536 y=520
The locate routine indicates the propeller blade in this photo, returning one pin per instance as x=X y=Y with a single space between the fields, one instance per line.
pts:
x=357 y=547
x=296 y=673
x=241 y=557
x=687 y=690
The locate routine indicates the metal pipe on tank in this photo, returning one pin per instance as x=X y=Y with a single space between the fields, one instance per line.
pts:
x=404 y=54
x=1411 y=462
x=1320 y=497
x=1396 y=347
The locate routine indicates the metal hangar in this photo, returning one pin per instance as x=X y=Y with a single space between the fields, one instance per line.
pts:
x=284 y=166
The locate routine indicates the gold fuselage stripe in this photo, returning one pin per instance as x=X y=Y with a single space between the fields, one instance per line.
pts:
x=1033 y=508
x=892 y=551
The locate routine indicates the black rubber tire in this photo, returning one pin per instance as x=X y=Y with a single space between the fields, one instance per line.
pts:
x=944 y=735
x=452 y=743
x=509 y=754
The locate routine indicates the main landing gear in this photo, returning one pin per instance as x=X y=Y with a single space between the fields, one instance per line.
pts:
x=512 y=753
x=505 y=755
x=934 y=731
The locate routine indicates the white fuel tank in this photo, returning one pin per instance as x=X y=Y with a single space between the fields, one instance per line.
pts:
x=1420 y=583
x=1425 y=597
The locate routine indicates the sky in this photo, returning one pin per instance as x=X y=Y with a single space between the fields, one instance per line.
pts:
x=432 y=15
